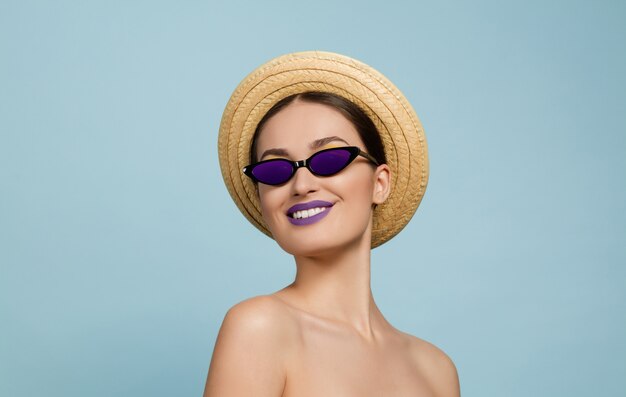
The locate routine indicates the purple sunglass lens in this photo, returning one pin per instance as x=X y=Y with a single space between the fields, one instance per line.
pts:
x=273 y=172
x=330 y=162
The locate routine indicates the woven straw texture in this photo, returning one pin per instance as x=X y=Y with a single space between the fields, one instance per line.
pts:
x=401 y=131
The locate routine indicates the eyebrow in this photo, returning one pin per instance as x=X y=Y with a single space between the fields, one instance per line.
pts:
x=316 y=144
x=325 y=141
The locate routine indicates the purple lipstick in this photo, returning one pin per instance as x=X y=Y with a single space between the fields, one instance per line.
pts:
x=308 y=213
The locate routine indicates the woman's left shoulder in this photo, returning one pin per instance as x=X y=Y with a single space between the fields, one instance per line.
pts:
x=436 y=366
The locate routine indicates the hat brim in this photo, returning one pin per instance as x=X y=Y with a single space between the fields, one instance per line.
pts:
x=400 y=129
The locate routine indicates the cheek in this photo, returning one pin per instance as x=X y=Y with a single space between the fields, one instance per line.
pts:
x=270 y=199
x=357 y=188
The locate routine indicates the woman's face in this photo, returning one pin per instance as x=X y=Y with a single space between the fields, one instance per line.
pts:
x=344 y=199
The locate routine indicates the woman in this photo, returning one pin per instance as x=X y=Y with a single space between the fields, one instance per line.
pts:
x=366 y=170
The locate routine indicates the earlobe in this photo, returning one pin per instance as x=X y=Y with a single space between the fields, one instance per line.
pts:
x=382 y=184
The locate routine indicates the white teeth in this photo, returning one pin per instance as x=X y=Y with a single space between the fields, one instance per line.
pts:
x=307 y=213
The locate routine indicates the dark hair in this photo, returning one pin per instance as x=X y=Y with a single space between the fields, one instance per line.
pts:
x=363 y=124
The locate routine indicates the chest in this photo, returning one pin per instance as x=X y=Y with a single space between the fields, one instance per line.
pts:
x=331 y=364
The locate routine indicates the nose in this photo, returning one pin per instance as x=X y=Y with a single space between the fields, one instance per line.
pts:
x=304 y=182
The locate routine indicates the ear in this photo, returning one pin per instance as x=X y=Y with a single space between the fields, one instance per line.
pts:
x=382 y=184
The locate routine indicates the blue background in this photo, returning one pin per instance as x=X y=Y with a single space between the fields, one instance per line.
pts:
x=121 y=250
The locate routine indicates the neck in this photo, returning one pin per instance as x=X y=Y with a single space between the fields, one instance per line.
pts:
x=336 y=287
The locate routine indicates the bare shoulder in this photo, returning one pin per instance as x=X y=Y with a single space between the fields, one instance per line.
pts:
x=261 y=313
x=251 y=351
x=261 y=319
x=436 y=366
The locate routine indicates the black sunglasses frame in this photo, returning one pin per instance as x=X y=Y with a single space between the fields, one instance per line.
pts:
x=354 y=152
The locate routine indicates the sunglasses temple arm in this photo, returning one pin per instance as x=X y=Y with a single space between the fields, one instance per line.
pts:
x=367 y=156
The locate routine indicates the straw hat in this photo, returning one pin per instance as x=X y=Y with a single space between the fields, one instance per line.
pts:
x=400 y=129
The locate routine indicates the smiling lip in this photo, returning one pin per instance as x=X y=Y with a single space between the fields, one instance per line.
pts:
x=307 y=206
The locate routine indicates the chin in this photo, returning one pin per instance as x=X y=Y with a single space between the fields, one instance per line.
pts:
x=318 y=244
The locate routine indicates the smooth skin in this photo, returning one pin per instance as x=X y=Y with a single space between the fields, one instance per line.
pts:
x=323 y=335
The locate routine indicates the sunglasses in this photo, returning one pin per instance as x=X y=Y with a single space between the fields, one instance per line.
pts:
x=326 y=162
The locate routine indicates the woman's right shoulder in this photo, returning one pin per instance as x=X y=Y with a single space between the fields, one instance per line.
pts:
x=264 y=313
x=252 y=350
